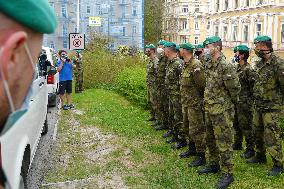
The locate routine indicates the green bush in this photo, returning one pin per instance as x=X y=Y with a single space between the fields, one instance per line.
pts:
x=131 y=82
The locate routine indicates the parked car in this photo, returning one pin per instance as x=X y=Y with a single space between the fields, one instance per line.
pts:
x=52 y=76
x=19 y=143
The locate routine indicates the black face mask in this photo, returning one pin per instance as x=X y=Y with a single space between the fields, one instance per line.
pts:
x=197 y=53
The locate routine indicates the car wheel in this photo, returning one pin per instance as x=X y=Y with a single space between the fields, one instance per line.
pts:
x=24 y=172
x=45 y=127
x=52 y=101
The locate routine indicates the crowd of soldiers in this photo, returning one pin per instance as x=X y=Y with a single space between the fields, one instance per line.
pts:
x=208 y=104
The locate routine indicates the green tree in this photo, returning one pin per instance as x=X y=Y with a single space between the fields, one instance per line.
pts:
x=153 y=20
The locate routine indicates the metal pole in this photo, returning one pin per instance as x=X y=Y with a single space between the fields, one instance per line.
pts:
x=78 y=16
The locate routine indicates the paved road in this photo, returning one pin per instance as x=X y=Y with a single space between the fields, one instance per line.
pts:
x=40 y=163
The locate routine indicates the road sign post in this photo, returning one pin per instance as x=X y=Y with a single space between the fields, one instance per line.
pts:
x=76 y=41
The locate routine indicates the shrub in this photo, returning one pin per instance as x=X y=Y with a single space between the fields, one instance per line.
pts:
x=131 y=82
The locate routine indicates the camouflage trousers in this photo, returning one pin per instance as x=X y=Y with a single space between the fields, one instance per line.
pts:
x=162 y=105
x=267 y=131
x=238 y=138
x=194 y=127
x=219 y=139
x=244 y=115
x=78 y=80
x=175 y=114
x=152 y=99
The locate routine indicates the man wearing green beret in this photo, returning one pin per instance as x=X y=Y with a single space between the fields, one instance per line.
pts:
x=192 y=85
x=163 y=99
x=23 y=24
x=221 y=93
x=244 y=107
x=150 y=51
x=173 y=72
x=199 y=51
x=268 y=94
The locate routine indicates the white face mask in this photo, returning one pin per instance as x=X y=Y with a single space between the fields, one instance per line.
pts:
x=15 y=115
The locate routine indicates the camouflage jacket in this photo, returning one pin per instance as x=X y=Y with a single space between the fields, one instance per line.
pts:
x=152 y=71
x=173 y=72
x=246 y=77
x=161 y=71
x=192 y=83
x=78 y=63
x=222 y=86
x=269 y=83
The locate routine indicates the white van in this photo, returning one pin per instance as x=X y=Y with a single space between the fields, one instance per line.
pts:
x=52 y=78
x=19 y=143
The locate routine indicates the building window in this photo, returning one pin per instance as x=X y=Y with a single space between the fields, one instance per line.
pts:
x=235 y=33
x=51 y=45
x=64 y=30
x=247 y=3
x=282 y=33
x=184 y=9
x=236 y=4
x=99 y=10
x=134 y=11
x=123 y=11
x=246 y=33
x=196 y=9
x=63 y=10
x=196 y=40
x=123 y=31
x=88 y=9
x=134 y=29
x=225 y=33
x=217 y=5
x=196 y=25
x=65 y=43
x=259 y=2
x=258 y=29
x=216 y=30
x=184 y=25
x=208 y=25
x=226 y=5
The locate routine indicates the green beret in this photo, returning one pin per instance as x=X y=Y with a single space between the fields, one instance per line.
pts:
x=213 y=39
x=34 y=14
x=205 y=41
x=187 y=46
x=170 y=44
x=178 y=47
x=261 y=38
x=78 y=51
x=151 y=46
x=243 y=48
x=200 y=46
x=162 y=42
x=146 y=46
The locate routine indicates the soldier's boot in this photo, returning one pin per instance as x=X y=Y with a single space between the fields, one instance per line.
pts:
x=248 y=154
x=237 y=146
x=151 y=118
x=198 y=161
x=168 y=133
x=179 y=144
x=173 y=139
x=162 y=127
x=190 y=152
x=209 y=169
x=258 y=158
x=276 y=170
x=225 y=181
x=155 y=123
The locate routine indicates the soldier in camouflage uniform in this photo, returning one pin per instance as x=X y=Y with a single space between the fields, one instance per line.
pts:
x=244 y=106
x=221 y=92
x=162 y=103
x=150 y=51
x=269 y=94
x=173 y=72
x=192 y=85
x=199 y=51
x=78 y=72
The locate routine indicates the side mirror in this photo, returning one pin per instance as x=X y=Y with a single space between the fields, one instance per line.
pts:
x=52 y=70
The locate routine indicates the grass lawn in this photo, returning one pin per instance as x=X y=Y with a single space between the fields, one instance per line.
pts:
x=108 y=140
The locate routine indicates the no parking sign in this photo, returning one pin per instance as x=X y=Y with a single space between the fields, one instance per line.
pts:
x=76 y=41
